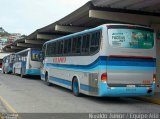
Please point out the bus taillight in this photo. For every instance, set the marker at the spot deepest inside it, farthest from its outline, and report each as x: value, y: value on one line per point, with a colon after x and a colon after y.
x: 104, y: 77
x: 154, y: 77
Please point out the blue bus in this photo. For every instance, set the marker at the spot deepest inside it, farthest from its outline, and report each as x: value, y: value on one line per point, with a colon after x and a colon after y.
x: 7, y: 63
x: 27, y: 62
x: 109, y: 60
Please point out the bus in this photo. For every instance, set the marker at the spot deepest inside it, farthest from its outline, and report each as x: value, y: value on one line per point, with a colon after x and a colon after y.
x: 27, y: 62
x: 111, y: 60
x: 7, y: 64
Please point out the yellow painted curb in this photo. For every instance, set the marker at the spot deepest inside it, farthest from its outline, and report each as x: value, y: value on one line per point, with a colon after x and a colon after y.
x: 9, y: 107
x: 149, y: 99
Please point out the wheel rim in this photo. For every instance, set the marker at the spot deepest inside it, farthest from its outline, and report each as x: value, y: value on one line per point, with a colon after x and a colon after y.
x: 75, y: 87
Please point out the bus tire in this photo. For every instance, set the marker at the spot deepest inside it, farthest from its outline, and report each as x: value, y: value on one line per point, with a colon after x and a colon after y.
x: 46, y: 80
x: 75, y: 87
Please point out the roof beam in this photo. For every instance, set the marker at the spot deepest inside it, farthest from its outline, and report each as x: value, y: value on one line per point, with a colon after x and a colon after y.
x: 9, y: 50
x: 47, y: 37
x: 69, y: 29
x: 124, y: 17
x: 27, y: 45
x: 35, y: 41
x: 17, y: 48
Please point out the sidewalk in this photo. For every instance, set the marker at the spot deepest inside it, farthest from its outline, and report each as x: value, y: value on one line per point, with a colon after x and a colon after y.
x: 152, y: 99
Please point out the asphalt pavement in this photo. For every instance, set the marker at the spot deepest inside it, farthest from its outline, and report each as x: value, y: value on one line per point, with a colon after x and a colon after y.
x: 33, y: 96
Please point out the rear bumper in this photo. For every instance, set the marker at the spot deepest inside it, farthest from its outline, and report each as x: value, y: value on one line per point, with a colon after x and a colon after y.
x: 104, y: 90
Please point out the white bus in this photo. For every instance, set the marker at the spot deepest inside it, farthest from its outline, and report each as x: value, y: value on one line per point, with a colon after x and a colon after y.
x: 109, y: 60
x: 27, y: 62
x: 7, y: 63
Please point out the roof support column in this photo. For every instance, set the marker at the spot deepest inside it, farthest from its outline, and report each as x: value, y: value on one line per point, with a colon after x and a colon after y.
x: 156, y: 28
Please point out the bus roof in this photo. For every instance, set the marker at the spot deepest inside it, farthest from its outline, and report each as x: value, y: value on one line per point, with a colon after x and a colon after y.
x: 92, y: 29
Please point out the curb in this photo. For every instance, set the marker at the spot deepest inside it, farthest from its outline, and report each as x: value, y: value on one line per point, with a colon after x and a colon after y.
x: 149, y: 99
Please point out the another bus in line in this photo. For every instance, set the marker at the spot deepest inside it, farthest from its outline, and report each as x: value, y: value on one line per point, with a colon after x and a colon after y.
x: 109, y: 60
x: 7, y: 64
x: 27, y: 62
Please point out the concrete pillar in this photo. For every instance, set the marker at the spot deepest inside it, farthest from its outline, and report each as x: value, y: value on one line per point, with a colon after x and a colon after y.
x: 156, y: 28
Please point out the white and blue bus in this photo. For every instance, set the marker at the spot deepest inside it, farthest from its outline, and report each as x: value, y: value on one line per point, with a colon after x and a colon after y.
x: 27, y: 62
x: 109, y: 60
x: 7, y: 63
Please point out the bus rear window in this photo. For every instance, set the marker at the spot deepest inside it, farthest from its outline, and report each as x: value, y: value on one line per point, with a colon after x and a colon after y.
x: 35, y: 55
x: 131, y: 38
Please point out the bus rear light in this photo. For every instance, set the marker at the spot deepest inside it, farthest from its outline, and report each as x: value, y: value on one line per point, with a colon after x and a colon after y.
x: 154, y: 77
x: 104, y: 77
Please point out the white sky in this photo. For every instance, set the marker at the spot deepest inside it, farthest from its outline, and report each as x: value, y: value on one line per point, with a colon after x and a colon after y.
x: 25, y: 16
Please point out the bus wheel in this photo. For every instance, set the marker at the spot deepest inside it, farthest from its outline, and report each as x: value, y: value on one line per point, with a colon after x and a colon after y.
x: 75, y: 87
x: 47, y: 81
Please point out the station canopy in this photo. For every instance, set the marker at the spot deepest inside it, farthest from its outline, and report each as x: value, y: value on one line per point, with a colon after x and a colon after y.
x: 92, y: 14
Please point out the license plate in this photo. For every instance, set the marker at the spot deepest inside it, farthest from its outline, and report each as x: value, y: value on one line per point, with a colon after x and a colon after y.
x: 131, y: 86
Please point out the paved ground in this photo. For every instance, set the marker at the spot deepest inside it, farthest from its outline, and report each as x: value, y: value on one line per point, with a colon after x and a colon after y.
x: 33, y: 96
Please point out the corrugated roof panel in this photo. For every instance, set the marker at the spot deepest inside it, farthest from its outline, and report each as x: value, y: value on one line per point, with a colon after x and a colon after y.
x: 128, y: 4
x: 104, y: 2
x: 125, y: 3
x: 144, y: 4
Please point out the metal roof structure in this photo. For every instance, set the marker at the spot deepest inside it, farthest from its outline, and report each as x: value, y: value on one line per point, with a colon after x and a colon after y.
x: 92, y: 14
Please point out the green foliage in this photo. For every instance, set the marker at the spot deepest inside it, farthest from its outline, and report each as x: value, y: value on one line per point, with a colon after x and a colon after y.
x: 2, y: 34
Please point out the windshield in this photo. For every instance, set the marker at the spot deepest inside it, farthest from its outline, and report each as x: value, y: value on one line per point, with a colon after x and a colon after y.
x: 140, y: 38
x: 35, y: 55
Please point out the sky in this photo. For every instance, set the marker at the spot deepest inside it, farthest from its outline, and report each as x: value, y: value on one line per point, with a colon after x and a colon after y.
x: 26, y: 16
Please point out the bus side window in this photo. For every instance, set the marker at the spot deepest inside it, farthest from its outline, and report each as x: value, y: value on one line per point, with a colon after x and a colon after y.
x: 67, y: 46
x: 43, y: 51
x: 85, y: 44
x: 49, y: 50
x: 76, y: 45
x: 53, y: 48
x: 94, y: 44
x: 60, y: 47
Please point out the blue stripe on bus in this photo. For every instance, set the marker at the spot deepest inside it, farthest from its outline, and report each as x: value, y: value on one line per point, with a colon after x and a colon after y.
x: 59, y: 80
x: 69, y: 83
x: 111, y: 64
x: 33, y: 72
x: 87, y: 88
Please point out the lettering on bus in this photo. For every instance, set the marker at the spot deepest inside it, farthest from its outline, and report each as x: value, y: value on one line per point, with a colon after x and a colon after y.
x: 59, y: 60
